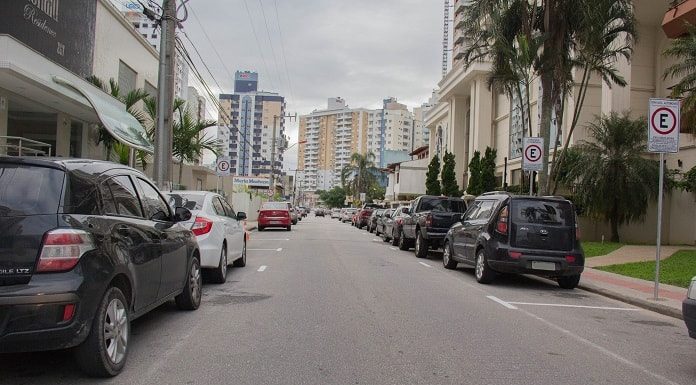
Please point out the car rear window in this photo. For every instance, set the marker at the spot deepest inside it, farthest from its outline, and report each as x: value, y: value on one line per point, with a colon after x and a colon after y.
x: 29, y: 190
x: 274, y: 206
x: 444, y: 205
x: 190, y: 201
x: 542, y: 212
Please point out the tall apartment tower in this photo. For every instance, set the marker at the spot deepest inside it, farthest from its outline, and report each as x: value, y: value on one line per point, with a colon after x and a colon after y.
x: 245, y: 125
x: 421, y: 134
x: 332, y: 136
x: 390, y: 132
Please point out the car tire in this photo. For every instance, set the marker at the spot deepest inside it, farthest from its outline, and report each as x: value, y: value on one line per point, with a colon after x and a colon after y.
x: 421, y: 247
x: 219, y: 275
x: 190, y: 297
x: 98, y: 356
x: 394, y: 238
x: 447, y: 261
x: 259, y: 228
x: 385, y: 237
x: 403, y: 243
x: 569, y: 282
x: 288, y: 228
x: 241, y: 261
x: 482, y: 271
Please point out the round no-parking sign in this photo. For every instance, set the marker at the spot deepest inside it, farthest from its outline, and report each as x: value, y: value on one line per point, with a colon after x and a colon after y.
x: 223, y: 166
x: 533, y: 153
x: 664, y: 125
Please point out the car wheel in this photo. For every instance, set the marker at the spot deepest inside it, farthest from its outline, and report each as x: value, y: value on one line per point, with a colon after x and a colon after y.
x: 394, y: 238
x: 377, y: 232
x: 385, y: 238
x: 104, y: 352
x: 241, y: 262
x: 447, y: 259
x: 403, y: 245
x: 288, y: 228
x: 190, y: 297
x: 421, y: 248
x: 260, y: 228
x: 219, y: 275
x: 483, y: 273
x: 569, y: 282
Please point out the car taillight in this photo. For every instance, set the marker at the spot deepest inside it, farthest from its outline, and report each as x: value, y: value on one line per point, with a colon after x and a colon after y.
x: 201, y: 226
x: 429, y: 220
x: 502, y: 225
x: 399, y: 220
x: 62, y: 249
x: 570, y: 258
x: 514, y: 254
x: 68, y: 312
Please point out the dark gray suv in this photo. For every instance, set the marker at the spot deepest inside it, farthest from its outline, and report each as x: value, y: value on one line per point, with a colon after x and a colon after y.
x: 501, y: 233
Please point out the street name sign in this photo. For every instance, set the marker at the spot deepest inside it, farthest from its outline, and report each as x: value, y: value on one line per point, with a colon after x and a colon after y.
x: 532, y: 154
x: 664, y: 125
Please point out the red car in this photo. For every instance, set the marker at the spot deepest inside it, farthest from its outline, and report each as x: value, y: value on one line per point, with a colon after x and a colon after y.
x: 275, y: 214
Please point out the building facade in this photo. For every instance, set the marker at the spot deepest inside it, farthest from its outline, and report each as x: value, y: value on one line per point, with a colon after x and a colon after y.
x: 246, y: 124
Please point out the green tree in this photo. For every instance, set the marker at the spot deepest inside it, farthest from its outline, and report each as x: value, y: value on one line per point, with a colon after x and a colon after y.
x: 189, y: 140
x: 450, y: 187
x: 359, y: 175
x: 474, y: 187
x: 612, y: 180
x: 487, y: 177
x: 432, y: 184
x: 334, y: 197
x: 683, y: 50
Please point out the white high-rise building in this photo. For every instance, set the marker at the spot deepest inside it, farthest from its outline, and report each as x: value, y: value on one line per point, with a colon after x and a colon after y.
x: 390, y: 132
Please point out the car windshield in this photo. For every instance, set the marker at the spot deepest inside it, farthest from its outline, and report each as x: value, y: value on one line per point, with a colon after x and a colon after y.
x: 274, y: 206
x: 189, y: 201
x: 29, y: 190
x: 442, y: 204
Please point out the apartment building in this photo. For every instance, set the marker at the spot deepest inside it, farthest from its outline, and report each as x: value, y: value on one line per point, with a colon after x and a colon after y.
x: 420, y: 135
x: 245, y: 125
x: 468, y: 116
x: 390, y: 132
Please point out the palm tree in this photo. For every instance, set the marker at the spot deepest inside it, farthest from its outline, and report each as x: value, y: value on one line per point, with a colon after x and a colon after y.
x: 612, y: 180
x: 189, y: 140
x: 358, y: 176
x: 683, y: 49
x: 130, y: 99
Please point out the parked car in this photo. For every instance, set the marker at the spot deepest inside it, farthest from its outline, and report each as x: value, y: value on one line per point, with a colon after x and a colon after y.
x: 689, y: 309
x: 379, y: 224
x: 303, y: 211
x: 393, y: 223
x: 348, y: 215
x: 86, y: 247
x: 517, y: 234
x: 319, y: 212
x: 219, y: 230
x: 335, y: 213
x: 372, y: 221
x: 293, y: 214
x: 429, y: 219
x: 364, y: 214
x: 274, y: 214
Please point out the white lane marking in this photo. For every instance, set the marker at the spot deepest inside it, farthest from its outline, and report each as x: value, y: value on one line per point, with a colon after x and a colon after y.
x: 278, y: 249
x: 574, y: 306
x: 262, y: 268
x: 424, y: 264
x: 500, y: 301
x: 394, y: 248
x: 271, y: 239
x: 602, y: 349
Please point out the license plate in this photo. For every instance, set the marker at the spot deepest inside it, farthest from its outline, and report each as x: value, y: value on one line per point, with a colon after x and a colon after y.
x: 538, y: 265
x: 275, y: 222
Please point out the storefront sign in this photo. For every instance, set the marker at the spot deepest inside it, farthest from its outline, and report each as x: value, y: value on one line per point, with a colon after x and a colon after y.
x: 61, y: 30
x: 251, y: 181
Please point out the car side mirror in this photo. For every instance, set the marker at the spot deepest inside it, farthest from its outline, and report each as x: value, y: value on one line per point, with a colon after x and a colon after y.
x: 241, y: 216
x: 181, y: 214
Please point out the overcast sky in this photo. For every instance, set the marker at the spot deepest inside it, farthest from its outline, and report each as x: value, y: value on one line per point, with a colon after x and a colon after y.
x: 361, y: 50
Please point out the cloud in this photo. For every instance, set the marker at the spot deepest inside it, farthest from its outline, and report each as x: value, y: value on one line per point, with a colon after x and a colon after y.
x: 361, y: 50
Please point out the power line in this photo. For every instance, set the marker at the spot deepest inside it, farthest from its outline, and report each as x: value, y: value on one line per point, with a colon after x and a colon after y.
x: 224, y: 66
x: 258, y: 43
x: 270, y: 42
x: 282, y: 50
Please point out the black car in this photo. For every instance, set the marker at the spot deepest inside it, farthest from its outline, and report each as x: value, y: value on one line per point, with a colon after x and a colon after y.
x: 517, y: 234
x: 689, y: 309
x: 85, y: 248
x: 319, y: 212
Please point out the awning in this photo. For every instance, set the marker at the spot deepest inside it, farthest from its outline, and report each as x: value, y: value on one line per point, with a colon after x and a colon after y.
x: 123, y: 126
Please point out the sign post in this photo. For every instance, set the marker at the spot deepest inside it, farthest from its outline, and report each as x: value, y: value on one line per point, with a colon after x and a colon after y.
x: 663, y: 136
x: 533, y: 152
x: 222, y: 168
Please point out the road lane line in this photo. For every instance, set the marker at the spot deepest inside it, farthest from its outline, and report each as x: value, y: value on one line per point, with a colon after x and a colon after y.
x: 278, y: 249
x: 271, y: 239
x: 424, y: 264
x: 262, y: 268
x: 574, y: 306
x: 394, y: 248
x: 500, y: 301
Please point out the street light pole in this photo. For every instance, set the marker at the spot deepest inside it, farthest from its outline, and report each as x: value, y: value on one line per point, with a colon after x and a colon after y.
x: 165, y: 97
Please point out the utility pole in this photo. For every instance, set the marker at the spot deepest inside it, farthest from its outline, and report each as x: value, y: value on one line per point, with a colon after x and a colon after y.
x: 165, y: 97
x: 273, y: 145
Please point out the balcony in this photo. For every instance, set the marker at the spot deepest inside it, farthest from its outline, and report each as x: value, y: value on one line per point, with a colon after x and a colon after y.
x: 459, y: 6
x: 676, y: 19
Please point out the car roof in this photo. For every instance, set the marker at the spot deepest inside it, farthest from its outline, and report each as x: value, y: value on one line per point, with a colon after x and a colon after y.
x: 89, y: 166
x: 497, y: 195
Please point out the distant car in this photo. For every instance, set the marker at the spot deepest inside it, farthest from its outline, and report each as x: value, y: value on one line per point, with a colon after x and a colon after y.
x: 303, y: 211
x: 372, y: 221
x: 381, y: 219
x: 293, y: 213
x: 689, y: 309
x: 392, y: 225
x: 348, y: 215
x: 364, y: 214
x: 219, y: 230
x: 319, y: 212
x: 86, y: 247
x: 501, y: 233
x: 274, y: 214
x: 335, y: 213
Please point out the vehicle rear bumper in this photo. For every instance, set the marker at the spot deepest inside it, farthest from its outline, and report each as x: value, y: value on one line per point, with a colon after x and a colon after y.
x: 436, y: 237
x: 524, y: 264
x: 210, y: 255
x: 275, y: 222
x: 689, y: 312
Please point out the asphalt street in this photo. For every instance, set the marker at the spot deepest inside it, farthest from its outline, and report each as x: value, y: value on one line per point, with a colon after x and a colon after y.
x: 330, y: 304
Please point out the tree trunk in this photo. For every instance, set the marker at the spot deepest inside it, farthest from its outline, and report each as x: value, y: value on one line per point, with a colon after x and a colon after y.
x: 615, y: 221
x: 181, y: 170
x: 545, y: 129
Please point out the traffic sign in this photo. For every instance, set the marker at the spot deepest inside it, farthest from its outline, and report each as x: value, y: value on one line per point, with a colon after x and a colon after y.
x: 533, y: 152
x: 223, y: 167
x: 664, y: 125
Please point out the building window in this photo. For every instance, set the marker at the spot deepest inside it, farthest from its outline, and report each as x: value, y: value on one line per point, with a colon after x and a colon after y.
x: 136, y: 25
x: 145, y: 25
x: 126, y: 77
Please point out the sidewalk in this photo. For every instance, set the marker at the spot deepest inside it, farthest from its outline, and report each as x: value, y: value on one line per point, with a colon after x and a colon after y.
x: 251, y: 225
x: 635, y: 291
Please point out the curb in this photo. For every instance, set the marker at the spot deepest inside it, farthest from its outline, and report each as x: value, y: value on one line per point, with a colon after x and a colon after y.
x: 645, y: 304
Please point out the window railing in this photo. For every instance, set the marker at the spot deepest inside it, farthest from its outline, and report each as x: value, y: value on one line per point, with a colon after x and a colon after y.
x: 19, y: 146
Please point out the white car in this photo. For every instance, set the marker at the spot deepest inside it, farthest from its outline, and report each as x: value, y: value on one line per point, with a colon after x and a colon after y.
x: 219, y: 230
x: 335, y: 213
